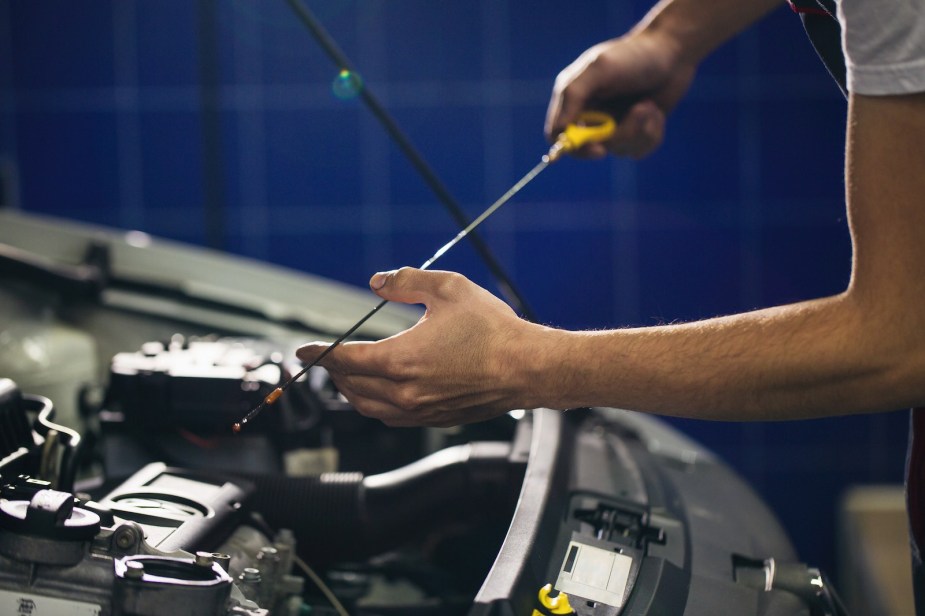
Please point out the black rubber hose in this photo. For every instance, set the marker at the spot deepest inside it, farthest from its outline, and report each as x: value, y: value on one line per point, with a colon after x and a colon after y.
x: 323, y: 511
x: 341, y: 516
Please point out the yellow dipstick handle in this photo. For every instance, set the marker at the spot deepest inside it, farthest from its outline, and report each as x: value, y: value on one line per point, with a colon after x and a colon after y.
x: 591, y: 127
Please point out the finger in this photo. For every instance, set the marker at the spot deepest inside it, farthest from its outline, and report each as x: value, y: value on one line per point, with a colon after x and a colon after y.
x: 387, y: 399
x: 309, y: 353
x: 407, y: 399
x: 366, y: 406
x: 383, y: 401
x: 369, y: 387
x: 414, y: 286
x: 564, y: 108
x: 570, y: 95
x: 348, y: 358
x: 640, y: 132
x: 374, y: 408
x: 590, y: 151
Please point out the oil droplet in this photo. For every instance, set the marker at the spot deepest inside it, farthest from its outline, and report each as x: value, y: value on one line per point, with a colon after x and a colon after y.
x: 236, y: 428
x: 347, y: 85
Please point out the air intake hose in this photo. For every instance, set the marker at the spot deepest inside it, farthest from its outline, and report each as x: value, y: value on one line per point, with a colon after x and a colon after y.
x: 346, y: 515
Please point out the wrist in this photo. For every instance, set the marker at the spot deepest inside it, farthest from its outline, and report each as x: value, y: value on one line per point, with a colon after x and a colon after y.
x: 673, y: 32
x: 544, y: 368
x: 691, y: 29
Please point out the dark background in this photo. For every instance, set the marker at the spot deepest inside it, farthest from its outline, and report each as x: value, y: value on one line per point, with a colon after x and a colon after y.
x: 215, y: 123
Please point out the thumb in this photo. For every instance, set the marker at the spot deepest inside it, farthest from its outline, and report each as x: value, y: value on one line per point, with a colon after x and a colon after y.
x: 310, y: 352
x: 414, y: 286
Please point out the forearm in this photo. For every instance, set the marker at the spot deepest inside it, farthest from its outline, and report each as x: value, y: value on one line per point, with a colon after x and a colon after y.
x: 697, y: 27
x: 808, y: 359
x: 861, y: 350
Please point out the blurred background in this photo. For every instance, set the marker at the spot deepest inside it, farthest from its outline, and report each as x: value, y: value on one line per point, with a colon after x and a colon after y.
x: 221, y: 123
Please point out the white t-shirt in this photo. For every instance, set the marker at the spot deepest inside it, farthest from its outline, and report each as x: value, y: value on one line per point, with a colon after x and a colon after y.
x: 884, y: 45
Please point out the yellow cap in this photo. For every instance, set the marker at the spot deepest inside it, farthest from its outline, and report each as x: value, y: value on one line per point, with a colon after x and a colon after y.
x: 558, y: 604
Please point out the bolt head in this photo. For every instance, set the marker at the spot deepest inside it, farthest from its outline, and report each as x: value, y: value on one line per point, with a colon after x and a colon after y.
x: 125, y: 537
x: 134, y: 570
x: 250, y: 575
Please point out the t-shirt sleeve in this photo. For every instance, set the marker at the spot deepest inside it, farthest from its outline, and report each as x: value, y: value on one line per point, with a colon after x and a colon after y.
x: 884, y: 45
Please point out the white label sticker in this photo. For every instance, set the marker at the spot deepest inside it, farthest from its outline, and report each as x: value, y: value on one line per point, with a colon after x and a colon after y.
x: 22, y: 604
x: 594, y: 573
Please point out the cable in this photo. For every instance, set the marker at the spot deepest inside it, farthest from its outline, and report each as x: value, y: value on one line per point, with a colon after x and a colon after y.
x: 55, y: 434
x: 505, y: 284
x: 262, y: 525
x: 325, y: 590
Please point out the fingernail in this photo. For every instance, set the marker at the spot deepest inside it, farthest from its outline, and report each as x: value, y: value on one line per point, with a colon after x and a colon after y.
x: 377, y: 281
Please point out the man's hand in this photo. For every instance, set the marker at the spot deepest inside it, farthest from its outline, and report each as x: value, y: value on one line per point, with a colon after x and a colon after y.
x: 638, y: 78
x: 466, y: 360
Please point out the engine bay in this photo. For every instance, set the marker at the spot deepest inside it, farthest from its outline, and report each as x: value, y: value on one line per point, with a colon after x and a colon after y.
x: 123, y: 491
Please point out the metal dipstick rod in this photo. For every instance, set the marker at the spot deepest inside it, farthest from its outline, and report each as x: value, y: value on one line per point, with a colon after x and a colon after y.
x: 592, y: 126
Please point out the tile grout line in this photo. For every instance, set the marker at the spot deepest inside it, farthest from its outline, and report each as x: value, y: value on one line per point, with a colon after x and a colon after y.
x: 251, y: 151
x: 130, y: 164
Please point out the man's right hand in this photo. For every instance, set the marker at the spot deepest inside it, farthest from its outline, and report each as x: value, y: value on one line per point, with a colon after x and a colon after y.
x: 638, y: 78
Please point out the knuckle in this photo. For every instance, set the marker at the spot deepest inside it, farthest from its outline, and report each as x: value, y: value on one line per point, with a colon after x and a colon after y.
x: 400, y: 277
x: 401, y: 367
x: 406, y: 398
x: 450, y: 284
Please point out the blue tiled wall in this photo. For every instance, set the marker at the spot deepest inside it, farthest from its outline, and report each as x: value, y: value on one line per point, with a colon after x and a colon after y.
x: 100, y: 119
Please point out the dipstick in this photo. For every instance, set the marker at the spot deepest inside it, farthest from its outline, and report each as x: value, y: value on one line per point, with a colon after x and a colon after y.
x: 591, y: 127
